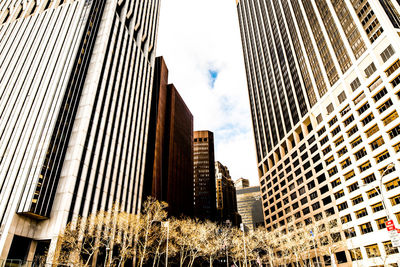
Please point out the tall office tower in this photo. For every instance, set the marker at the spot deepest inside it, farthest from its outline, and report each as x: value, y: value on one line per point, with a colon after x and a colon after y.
x: 226, y: 195
x: 169, y: 164
x: 204, y: 175
x: 323, y: 82
x: 75, y: 79
x: 242, y: 183
x: 249, y: 206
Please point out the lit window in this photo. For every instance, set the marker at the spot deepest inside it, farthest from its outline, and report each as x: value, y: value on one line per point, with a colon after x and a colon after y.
x: 377, y: 143
x: 369, y: 179
x: 365, y: 166
x: 397, y: 147
x: 357, y: 200
x: 361, y: 213
x: 395, y: 200
x: 352, y: 131
x: 381, y: 223
x: 360, y: 153
x: 391, y: 117
x: 382, y: 156
x: 346, y: 218
x: 339, y: 194
x: 356, y: 142
x: 389, y: 249
x: 377, y: 207
x: 349, y: 233
x: 349, y: 175
x: 392, y: 184
x: 385, y: 106
x: 345, y: 163
x: 373, y: 251
x: 329, y: 160
x: 372, y: 130
x: 372, y: 193
x: 355, y: 254
x: 339, y: 141
x: 394, y: 132
x: 342, y: 206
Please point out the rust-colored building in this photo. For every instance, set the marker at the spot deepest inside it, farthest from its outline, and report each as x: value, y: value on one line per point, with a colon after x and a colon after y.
x: 169, y: 165
x: 204, y: 175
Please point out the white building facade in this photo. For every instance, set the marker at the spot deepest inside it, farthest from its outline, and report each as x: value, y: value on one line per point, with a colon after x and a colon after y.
x: 75, y: 87
x: 323, y: 79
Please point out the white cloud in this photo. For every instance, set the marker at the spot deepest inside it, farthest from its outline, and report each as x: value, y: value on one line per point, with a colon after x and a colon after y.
x: 198, y: 36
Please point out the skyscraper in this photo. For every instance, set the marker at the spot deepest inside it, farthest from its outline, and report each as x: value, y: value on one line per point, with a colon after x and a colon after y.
x: 204, y: 175
x: 226, y: 195
x: 169, y: 165
x: 75, y: 81
x: 323, y: 86
x: 249, y: 206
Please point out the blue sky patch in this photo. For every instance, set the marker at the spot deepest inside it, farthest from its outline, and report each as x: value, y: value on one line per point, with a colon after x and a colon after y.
x: 213, y: 74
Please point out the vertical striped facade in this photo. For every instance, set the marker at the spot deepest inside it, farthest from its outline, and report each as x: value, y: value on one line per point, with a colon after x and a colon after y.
x: 75, y: 92
x: 323, y: 80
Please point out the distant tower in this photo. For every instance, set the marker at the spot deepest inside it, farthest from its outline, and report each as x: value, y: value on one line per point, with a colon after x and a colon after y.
x: 204, y: 175
x: 169, y: 165
x: 226, y: 195
x: 242, y: 183
x: 249, y: 206
x: 324, y: 88
x: 75, y: 91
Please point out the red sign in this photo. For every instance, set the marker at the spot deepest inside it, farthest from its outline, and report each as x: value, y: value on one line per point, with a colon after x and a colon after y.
x: 398, y: 231
x: 390, y: 225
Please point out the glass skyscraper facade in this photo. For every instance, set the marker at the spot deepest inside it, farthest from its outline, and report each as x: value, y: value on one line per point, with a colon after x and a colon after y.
x: 75, y: 79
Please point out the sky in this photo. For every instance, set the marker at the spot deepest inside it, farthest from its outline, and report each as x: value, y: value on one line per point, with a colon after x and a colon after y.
x: 200, y: 42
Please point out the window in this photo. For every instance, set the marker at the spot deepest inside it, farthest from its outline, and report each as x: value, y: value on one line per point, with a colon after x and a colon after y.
x: 352, y: 131
x: 392, y: 184
x: 345, y: 163
x: 332, y: 171
x: 361, y: 213
x: 377, y: 143
x: 396, y: 147
x: 315, y: 206
x: 332, y: 121
x: 380, y: 94
x: 342, y: 151
x: 370, y: 70
x: 319, y: 118
x: 385, y: 106
x: 355, y: 84
x: 339, y: 141
x: 382, y: 156
x: 302, y: 190
x: 342, y: 97
x: 395, y: 200
x: 336, y: 182
x: 372, y: 193
x: 348, y: 120
x: 394, y: 132
x: 367, y: 119
x: 375, y: 84
x: 349, y: 233
x: 371, y: 131
x: 356, y: 142
x: 366, y: 228
x: 395, y: 81
x: 365, y: 166
x: 330, y: 108
x: 373, y: 251
x: 353, y: 187
x: 313, y: 195
x: 360, y: 153
x: 324, y: 140
x: 336, y: 131
x: 306, y: 211
x: 339, y: 194
x: 321, y: 131
x: 389, y: 249
x: 363, y: 108
x: 357, y: 200
x: 345, y: 110
x: 369, y: 179
x: 391, y: 117
x: 349, y: 175
x: 326, y: 150
x: 355, y: 254
x: 381, y: 223
x: 387, y: 53
x: 359, y: 98
x: 392, y: 68
x: 346, y: 218
x: 342, y: 206
x: 377, y: 207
